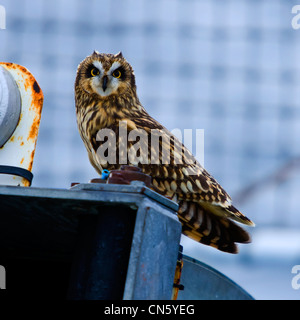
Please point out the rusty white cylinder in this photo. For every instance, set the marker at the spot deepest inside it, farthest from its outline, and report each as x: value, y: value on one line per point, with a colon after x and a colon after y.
x: 10, y: 105
x: 21, y: 101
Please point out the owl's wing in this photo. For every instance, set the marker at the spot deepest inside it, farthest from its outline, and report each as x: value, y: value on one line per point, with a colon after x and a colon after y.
x: 205, y: 209
x: 182, y: 174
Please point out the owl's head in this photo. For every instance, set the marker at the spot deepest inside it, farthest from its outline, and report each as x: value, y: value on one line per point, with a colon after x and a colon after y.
x: 105, y: 75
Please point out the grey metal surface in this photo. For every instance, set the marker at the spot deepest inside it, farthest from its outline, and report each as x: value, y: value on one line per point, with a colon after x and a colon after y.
x: 153, y: 255
x: 43, y: 224
x: 202, y: 282
x: 44, y: 221
x: 10, y: 105
x: 134, y: 187
x: 118, y: 236
x: 107, y: 193
x: 155, y: 243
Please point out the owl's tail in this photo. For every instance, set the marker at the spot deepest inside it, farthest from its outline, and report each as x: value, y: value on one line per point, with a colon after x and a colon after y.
x: 203, y: 226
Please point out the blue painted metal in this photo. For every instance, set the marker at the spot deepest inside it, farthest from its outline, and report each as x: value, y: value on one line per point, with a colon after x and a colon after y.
x: 153, y: 253
x: 202, y: 282
x: 122, y: 239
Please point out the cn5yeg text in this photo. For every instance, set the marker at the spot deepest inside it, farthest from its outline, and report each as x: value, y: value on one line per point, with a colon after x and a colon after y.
x: 178, y: 309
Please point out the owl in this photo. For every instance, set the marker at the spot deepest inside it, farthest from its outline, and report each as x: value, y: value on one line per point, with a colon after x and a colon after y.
x: 106, y: 102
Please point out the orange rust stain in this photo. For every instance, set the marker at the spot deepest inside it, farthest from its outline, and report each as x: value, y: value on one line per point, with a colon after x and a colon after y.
x: 29, y: 82
x: 22, y: 160
x: 25, y: 182
x: 10, y: 65
x: 37, y: 98
x: 36, y: 106
x: 22, y: 143
x: 7, y: 64
x: 29, y: 79
x: 31, y: 160
x: 23, y: 69
x: 34, y: 128
x: 12, y: 139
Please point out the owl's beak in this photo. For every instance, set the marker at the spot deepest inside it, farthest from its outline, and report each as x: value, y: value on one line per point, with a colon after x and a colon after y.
x: 104, y: 83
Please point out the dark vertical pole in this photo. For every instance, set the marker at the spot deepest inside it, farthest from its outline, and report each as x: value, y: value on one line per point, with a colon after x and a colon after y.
x: 101, y: 257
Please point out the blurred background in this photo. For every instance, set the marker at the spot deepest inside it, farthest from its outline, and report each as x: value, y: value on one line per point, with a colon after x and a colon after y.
x: 231, y: 68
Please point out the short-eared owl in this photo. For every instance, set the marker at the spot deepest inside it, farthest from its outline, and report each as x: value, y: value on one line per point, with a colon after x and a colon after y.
x: 106, y: 99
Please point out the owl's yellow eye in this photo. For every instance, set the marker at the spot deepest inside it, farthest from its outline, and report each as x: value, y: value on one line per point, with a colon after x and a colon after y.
x: 95, y: 72
x: 117, y: 74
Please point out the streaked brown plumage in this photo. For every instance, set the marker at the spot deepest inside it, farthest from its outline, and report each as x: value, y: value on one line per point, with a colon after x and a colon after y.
x: 105, y: 96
